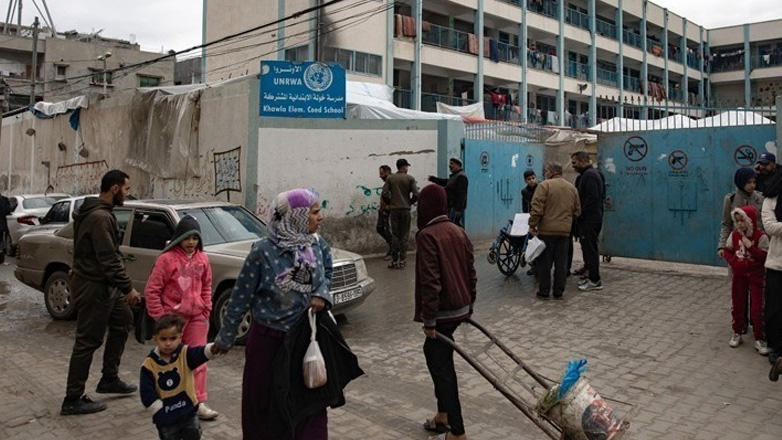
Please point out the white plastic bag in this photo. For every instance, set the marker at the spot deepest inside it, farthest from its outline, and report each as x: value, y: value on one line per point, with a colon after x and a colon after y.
x: 535, y: 247
x: 314, y: 366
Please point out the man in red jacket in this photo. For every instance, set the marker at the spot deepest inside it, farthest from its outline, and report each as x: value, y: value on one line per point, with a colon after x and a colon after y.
x: 445, y: 283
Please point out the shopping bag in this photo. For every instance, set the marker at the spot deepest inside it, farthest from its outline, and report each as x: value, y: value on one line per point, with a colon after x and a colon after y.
x: 144, y: 324
x: 314, y: 366
x: 535, y: 247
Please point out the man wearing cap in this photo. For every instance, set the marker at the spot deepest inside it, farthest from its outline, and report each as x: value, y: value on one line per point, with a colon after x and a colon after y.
x: 399, y: 193
x: 766, y: 168
x: 456, y: 189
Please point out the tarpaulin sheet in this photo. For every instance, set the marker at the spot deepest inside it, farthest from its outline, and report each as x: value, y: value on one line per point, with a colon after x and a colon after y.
x: 164, y: 132
x: 471, y: 111
x: 45, y: 110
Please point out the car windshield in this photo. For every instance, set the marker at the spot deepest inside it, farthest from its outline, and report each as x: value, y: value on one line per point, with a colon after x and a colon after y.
x: 40, y: 202
x: 226, y: 224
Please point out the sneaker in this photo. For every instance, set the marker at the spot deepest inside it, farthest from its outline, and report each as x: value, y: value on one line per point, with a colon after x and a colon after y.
x: 115, y: 386
x: 736, y: 340
x: 582, y: 282
x: 206, y: 413
x: 762, y: 347
x: 776, y: 370
x: 393, y: 265
x: 82, y: 405
x: 590, y: 285
x: 543, y: 297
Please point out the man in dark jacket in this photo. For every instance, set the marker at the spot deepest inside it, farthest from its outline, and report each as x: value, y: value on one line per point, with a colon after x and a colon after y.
x: 456, y: 190
x: 591, y: 192
x: 766, y: 168
x: 5, y: 210
x: 445, y: 289
x: 102, y: 293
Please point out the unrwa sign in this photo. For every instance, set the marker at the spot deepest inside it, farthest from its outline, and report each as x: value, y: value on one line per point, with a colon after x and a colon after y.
x: 302, y: 90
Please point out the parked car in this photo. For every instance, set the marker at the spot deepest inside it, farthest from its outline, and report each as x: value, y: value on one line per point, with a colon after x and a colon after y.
x: 228, y: 231
x: 62, y: 211
x: 25, y: 213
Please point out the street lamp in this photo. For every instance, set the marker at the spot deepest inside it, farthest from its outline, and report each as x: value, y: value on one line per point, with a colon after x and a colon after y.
x: 103, y: 58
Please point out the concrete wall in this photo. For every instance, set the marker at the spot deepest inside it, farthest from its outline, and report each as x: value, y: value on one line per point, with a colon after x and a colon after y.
x: 36, y: 162
x: 340, y: 159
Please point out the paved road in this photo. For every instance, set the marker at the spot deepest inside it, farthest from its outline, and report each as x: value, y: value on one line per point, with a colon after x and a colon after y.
x: 654, y: 337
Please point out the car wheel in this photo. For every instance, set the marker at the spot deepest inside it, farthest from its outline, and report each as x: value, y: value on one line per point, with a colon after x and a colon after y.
x: 218, y: 313
x: 57, y: 296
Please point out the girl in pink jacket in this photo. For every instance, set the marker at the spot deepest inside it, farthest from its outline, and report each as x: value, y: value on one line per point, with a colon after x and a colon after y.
x: 181, y: 284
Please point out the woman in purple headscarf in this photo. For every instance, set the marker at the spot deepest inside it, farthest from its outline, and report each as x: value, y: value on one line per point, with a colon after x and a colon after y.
x: 283, y: 275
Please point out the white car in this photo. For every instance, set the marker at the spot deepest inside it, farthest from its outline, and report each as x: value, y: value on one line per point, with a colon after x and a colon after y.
x: 61, y: 213
x: 25, y: 213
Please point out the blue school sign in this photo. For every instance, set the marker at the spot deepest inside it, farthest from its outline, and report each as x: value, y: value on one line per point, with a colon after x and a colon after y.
x: 302, y: 90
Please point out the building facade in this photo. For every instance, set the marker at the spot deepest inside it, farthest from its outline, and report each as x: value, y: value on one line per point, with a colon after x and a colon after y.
x: 71, y: 64
x: 542, y: 61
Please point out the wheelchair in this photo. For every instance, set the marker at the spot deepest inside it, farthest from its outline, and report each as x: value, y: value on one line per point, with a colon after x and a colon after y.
x: 507, y: 251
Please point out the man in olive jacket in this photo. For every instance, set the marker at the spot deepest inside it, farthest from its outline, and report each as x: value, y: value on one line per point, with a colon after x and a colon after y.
x: 400, y: 191
x: 445, y: 291
x: 102, y: 293
x: 554, y: 206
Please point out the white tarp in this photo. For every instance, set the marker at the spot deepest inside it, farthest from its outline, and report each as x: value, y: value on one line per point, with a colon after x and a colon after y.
x: 570, y: 137
x: 730, y: 118
x: 56, y: 108
x: 470, y: 111
x: 373, y: 101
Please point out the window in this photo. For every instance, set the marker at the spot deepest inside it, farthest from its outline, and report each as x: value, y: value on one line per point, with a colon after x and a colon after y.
x: 354, y: 61
x: 98, y: 75
x: 299, y: 53
x: 148, y: 81
x: 58, y: 213
x: 60, y: 71
x: 150, y: 230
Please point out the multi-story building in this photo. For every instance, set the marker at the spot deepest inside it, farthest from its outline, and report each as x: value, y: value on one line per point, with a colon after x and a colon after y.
x: 544, y: 61
x: 71, y: 64
x: 746, y: 65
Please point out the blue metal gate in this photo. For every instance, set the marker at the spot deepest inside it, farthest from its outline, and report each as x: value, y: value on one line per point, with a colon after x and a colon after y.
x: 495, y: 170
x: 665, y: 188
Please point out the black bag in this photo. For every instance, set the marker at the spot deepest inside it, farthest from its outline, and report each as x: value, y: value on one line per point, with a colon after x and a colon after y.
x: 144, y: 324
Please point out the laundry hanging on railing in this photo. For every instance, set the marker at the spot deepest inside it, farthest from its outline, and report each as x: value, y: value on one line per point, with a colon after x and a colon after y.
x: 472, y: 44
x: 404, y: 26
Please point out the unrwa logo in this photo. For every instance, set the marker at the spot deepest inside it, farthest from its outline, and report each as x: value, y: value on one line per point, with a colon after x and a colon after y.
x: 318, y: 77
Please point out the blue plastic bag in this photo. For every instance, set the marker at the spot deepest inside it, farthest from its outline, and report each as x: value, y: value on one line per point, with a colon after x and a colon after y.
x: 573, y: 373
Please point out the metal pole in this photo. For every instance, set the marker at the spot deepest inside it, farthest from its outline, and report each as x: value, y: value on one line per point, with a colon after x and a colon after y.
x: 32, y: 158
x: 104, y: 75
x: 11, y: 134
x: 35, y: 61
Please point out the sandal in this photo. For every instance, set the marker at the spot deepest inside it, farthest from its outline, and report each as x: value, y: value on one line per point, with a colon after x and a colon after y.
x: 434, y: 426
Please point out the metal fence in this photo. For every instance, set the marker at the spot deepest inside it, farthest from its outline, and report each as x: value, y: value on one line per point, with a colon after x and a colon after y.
x: 638, y: 117
x: 507, y: 132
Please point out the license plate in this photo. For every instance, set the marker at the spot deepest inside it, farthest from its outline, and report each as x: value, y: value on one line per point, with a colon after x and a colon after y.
x: 347, y: 295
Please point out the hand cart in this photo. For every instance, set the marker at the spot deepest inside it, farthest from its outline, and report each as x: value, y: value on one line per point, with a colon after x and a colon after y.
x: 565, y: 420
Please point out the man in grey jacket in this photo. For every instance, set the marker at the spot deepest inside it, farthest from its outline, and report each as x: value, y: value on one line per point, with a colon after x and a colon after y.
x: 102, y: 293
x: 399, y: 193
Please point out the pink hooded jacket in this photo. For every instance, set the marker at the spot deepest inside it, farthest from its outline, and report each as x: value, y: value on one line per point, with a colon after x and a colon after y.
x: 180, y: 285
x: 747, y: 260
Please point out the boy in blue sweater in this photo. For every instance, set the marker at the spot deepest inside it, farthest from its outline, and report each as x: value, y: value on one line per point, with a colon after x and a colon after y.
x: 167, y: 386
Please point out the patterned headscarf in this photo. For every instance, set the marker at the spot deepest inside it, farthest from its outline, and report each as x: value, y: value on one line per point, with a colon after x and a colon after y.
x: 288, y: 220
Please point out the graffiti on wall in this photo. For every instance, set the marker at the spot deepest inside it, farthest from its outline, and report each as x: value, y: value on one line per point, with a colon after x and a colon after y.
x: 368, y: 202
x: 227, y: 171
x: 80, y: 178
x: 196, y: 187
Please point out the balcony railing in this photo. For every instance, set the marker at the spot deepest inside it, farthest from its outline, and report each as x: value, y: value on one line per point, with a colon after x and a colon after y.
x: 693, y: 61
x: 540, y: 61
x: 768, y: 60
x: 632, y: 84
x: 675, y: 94
x: 605, y: 28
x: 578, y: 70
x: 543, y: 7
x: 631, y: 38
x: 447, y: 38
x: 508, y: 53
x: 577, y: 18
x: 404, y: 99
x: 607, y: 77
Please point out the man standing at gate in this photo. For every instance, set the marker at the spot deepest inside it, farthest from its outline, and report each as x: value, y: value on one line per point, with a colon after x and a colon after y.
x: 554, y: 206
x: 399, y: 193
x: 591, y: 192
x: 383, y: 227
x: 102, y: 293
x: 456, y: 189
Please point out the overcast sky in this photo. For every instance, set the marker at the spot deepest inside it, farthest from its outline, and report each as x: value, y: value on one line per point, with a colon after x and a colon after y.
x: 176, y: 24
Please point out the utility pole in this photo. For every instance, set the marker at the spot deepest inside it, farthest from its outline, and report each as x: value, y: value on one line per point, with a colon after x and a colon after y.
x: 35, y: 61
